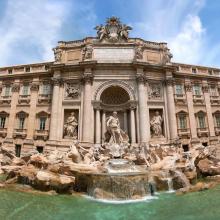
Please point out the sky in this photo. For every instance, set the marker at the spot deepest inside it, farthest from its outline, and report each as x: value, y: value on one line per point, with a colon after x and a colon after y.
x: 29, y: 29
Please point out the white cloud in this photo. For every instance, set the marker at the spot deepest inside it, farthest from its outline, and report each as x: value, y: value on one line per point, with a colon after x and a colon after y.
x: 176, y: 22
x: 187, y: 45
x: 30, y: 25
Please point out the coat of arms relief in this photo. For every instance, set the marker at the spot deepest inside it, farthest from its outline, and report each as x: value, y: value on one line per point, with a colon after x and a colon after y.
x: 113, y: 31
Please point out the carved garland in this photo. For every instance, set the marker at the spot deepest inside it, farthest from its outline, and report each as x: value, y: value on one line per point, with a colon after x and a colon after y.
x: 188, y: 87
x: 205, y: 88
x: 15, y: 88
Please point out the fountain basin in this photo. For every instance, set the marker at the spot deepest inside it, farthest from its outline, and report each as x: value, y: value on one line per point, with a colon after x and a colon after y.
x: 114, y: 186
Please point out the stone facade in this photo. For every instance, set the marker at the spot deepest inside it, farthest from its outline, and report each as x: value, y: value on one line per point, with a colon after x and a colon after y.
x: 93, y: 77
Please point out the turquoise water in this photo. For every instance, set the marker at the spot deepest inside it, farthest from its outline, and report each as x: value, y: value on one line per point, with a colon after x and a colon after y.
x: 27, y: 206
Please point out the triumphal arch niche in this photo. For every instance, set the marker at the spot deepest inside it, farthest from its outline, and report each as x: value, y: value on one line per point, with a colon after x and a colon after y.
x: 117, y: 99
x: 112, y: 89
x: 117, y: 88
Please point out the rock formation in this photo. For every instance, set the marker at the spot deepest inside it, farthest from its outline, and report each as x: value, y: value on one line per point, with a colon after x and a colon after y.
x: 166, y: 167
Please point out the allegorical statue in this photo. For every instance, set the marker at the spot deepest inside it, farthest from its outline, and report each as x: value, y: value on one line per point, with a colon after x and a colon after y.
x: 57, y: 54
x: 156, y: 125
x: 101, y: 31
x: 115, y: 135
x: 113, y: 31
x: 70, y: 126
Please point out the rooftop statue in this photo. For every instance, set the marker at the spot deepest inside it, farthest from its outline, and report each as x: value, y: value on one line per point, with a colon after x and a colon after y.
x: 113, y: 31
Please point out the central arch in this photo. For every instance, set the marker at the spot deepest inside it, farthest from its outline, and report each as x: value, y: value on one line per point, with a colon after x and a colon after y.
x: 115, y: 83
x: 114, y: 95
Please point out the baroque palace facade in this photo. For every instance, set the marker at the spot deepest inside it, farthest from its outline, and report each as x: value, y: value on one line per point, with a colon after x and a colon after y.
x: 46, y: 106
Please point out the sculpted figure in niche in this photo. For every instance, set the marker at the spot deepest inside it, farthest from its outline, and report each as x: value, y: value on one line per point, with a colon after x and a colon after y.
x: 156, y: 125
x: 115, y: 135
x: 70, y: 126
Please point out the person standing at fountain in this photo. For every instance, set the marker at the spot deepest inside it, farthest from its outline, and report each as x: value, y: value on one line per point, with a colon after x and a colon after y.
x: 156, y: 125
x: 113, y: 127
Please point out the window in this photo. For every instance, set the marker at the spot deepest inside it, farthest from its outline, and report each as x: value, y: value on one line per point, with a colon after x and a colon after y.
x: 9, y: 71
x: 7, y: 91
x: 197, y: 90
x: 179, y: 89
x: 27, y: 69
x: 42, y: 123
x: 217, y: 119
x: 185, y: 147
x: 201, y: 120
x: 21, y: 123
x: 2, y: 121
x: 213, y: 91
x: 40, y: 149
x: 46, y: 89
x: 25, y: 90
x: 18, y: 150
x: 182, y: 122
x: 194, y: 70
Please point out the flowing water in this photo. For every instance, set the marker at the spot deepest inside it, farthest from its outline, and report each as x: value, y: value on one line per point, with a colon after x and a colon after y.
x: 28, y: 206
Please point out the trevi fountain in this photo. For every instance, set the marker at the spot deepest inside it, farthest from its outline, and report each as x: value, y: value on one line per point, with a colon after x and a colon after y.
x: 137, y: 167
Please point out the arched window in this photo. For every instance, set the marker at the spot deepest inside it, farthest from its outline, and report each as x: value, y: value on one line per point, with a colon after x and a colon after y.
x: 21, y: 120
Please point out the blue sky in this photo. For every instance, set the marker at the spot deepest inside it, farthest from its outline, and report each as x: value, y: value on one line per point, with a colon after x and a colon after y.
x: 29, y: 29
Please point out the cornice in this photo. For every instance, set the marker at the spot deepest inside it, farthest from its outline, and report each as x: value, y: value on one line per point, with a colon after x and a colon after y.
x: 200, y: 76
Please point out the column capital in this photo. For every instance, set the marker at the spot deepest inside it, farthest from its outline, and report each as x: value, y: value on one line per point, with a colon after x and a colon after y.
x: 96, y: 105
x: 15, y: 87
x: 34, y: 86
x: 57, y: 81
x: 141, y: 78
x: 188, y: 87
x: 169, y: 81
x: 132, y: 105
x: 87, y: 78
x: 205, y: 88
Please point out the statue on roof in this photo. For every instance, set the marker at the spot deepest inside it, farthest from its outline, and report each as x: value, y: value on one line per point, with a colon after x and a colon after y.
x: 113, y: 31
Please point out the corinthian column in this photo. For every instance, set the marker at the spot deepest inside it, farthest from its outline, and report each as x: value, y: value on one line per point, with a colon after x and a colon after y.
x: 55, y: 106
x: 133, y: 130
x: 142, y: 107
x: 87, y: 126
x: 98, y: 127
x: 103, y: 126
x: 171, y: 107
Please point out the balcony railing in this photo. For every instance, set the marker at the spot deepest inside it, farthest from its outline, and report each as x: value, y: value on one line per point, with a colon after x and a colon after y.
x: 41, y: 134
x: 20, y: 133
x: 202, y: 131
x: 217, y: 131
x: 44, y: 98
x: 3, y: 132
x: 5, y: 99
x: 198, y: 96
x: 24, y: 99
x: 198, y: 99
x: 183, y: 132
